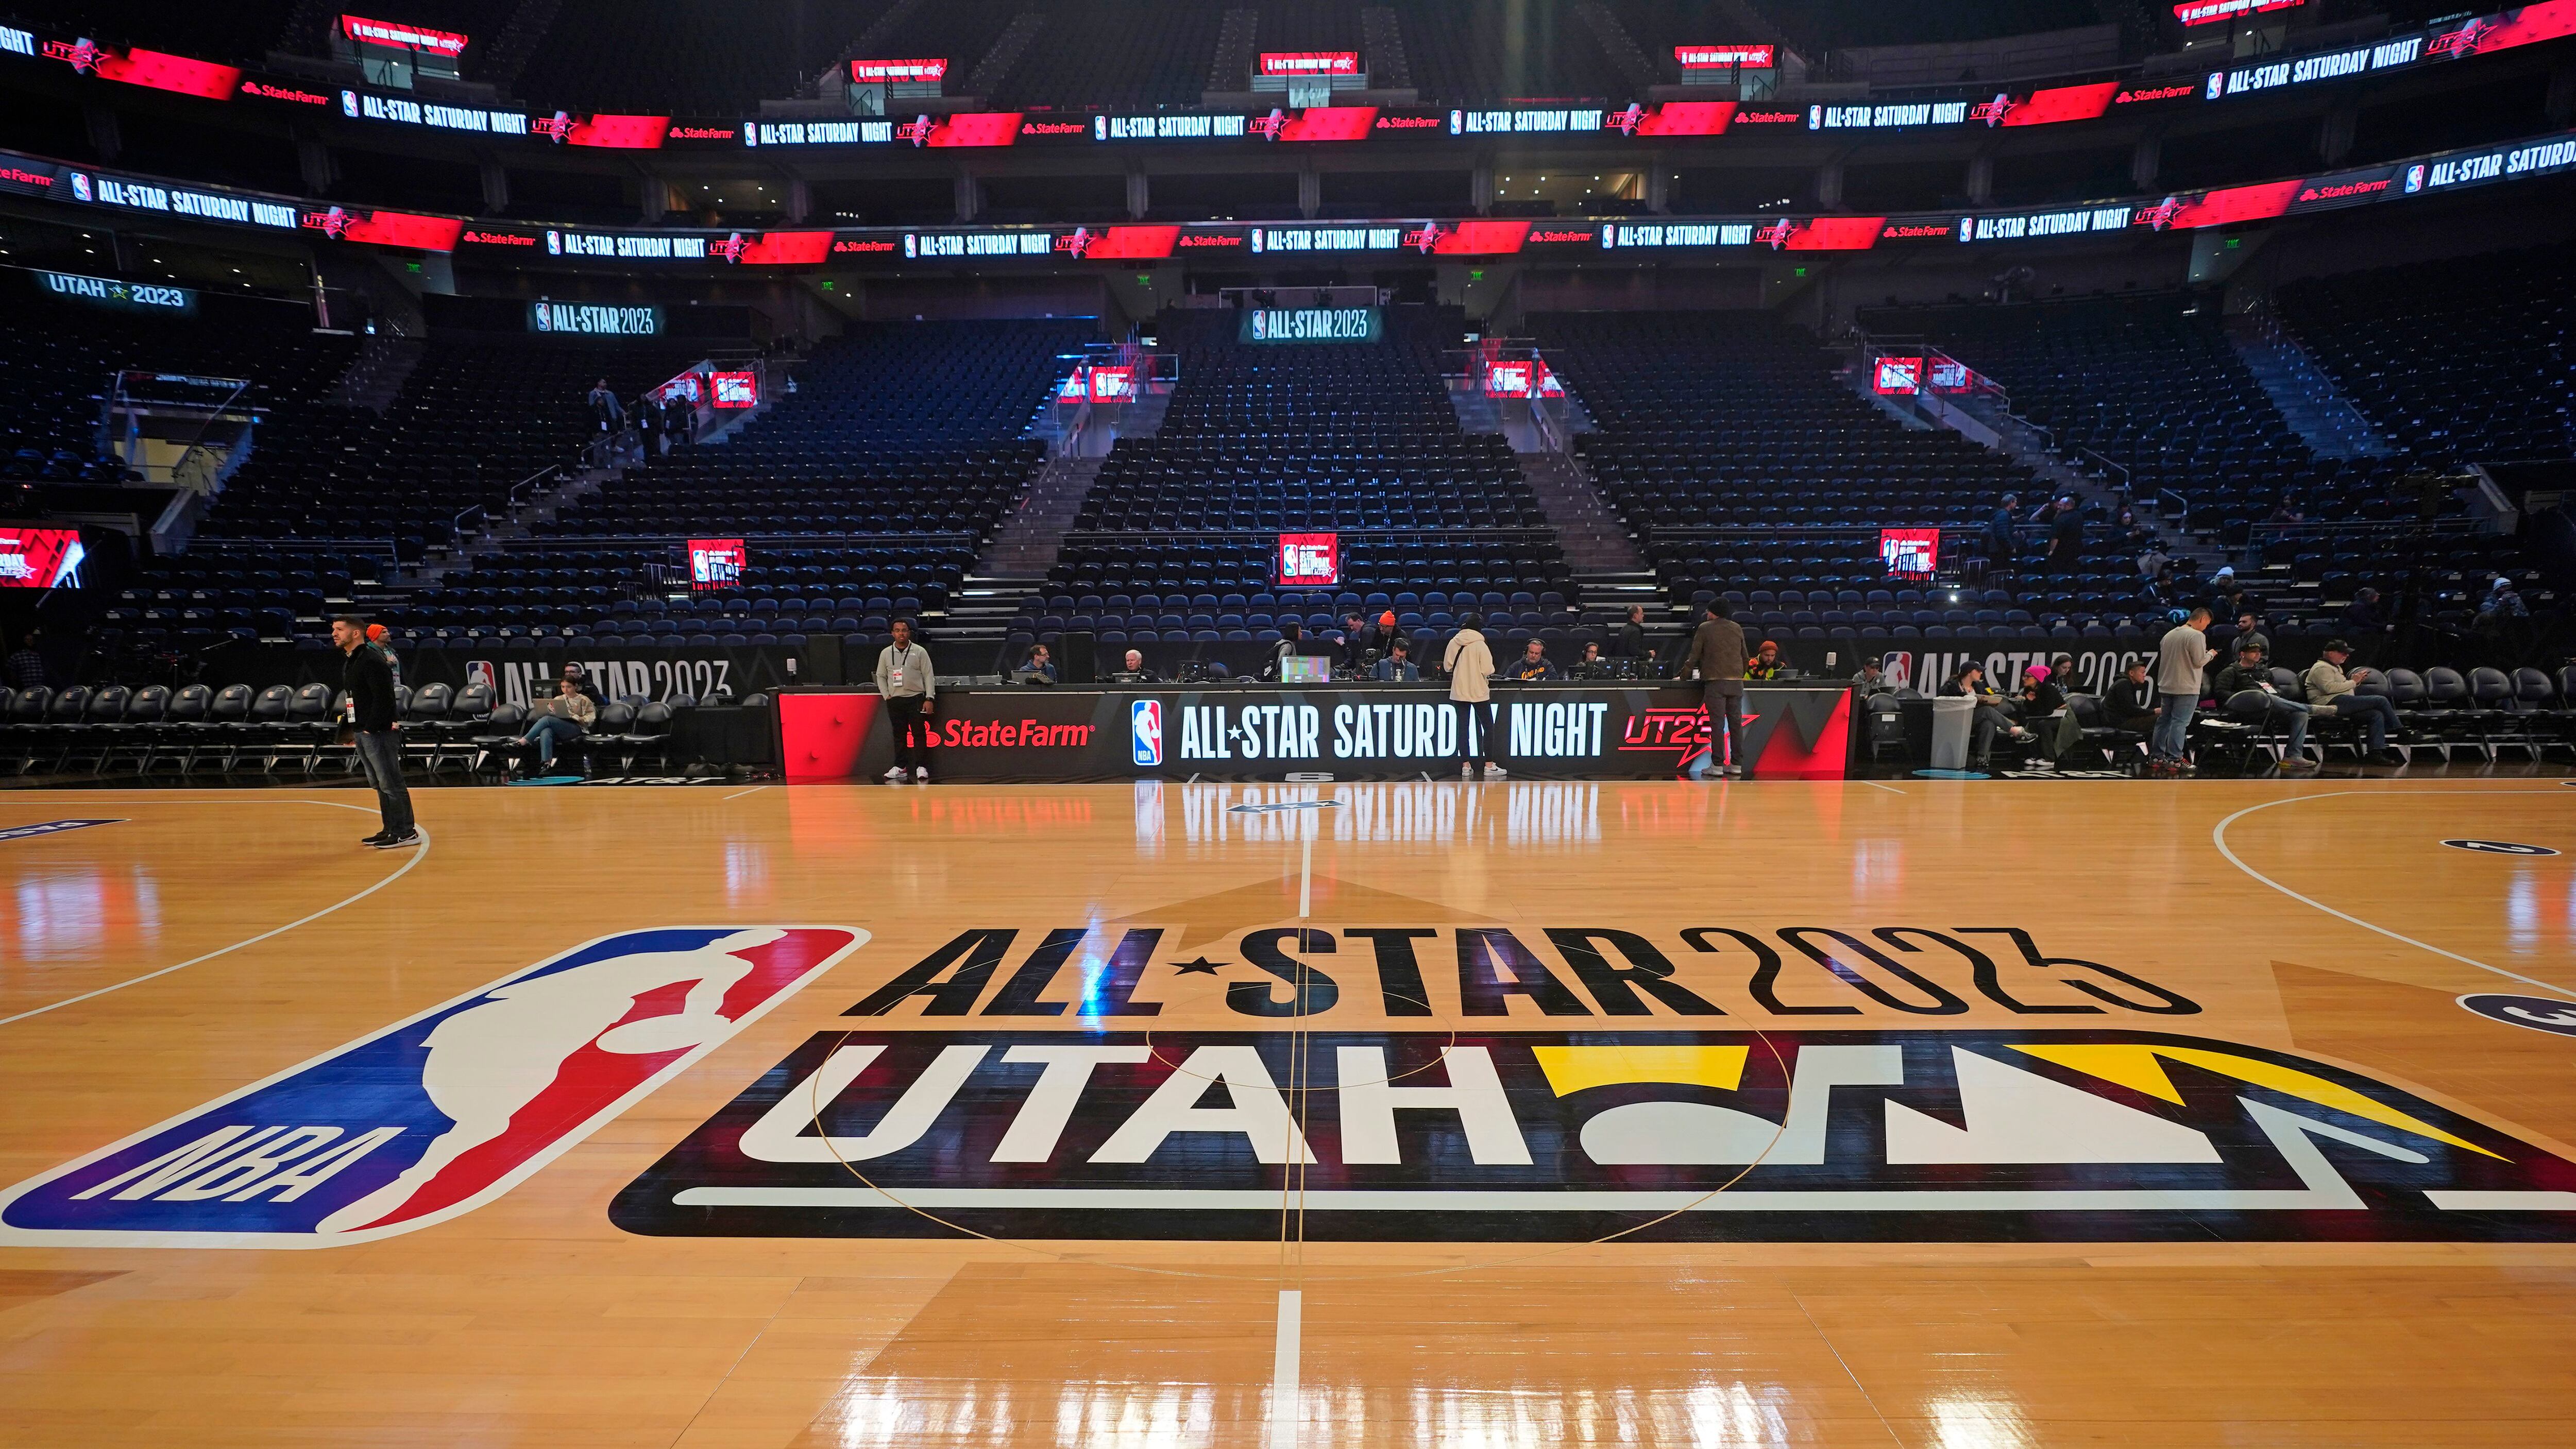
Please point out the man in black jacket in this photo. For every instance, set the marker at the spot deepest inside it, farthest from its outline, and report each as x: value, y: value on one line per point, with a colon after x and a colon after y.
x: 1632, y: 635
x: 370, y: 682
x: 2131, y: 703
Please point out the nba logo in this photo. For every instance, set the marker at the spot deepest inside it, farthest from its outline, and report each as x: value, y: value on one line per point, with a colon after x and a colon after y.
x: 434, y: 1116
x: 1145, y: 729
x: 2414, y: 179
x: 349, y: 104
x: 2217, y: 86
x: 479, y: 671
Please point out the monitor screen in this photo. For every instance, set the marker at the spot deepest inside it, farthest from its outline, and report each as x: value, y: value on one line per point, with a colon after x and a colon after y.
x: 1910, y: 553
x: 1305, y: 669
x: 717, y: 563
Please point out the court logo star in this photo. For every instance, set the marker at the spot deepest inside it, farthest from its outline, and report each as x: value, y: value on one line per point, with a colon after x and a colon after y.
x: 1200, y: 967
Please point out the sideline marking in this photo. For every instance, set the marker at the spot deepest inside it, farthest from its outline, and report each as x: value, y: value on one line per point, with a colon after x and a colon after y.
x: 417, y: 856
x: 2218, y: 837
x: 1283, y: 1371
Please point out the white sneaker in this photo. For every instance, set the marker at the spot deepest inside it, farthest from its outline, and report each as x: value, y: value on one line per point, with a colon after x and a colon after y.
x: 1466, y: 771
x: 1495, y: 772
x: 894, y: 774
x: 921, y: 773
x: 1735, y: 770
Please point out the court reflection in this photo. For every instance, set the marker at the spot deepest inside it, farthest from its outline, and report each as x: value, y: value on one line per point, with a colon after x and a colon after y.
x: 898, y: 1413
x: 1444, y: 812
x: 74, y: 912
x: 1968, y: 1421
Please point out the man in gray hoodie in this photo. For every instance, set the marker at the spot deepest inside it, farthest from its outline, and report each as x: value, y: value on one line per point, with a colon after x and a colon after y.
x: 2180, y: 658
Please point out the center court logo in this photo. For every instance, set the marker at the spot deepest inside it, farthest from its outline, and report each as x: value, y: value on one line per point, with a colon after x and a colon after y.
x: 1697, y: 1136
x: 1145, y: 730
x: 434, y: 1116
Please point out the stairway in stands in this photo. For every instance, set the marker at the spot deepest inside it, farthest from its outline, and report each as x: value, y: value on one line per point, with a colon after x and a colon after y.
x: 1013, y: 566
x: 2316, y: 410
x: 1609, y: 572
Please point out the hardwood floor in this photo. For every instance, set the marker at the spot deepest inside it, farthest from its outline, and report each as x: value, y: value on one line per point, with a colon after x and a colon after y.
x: 1961, y: 1116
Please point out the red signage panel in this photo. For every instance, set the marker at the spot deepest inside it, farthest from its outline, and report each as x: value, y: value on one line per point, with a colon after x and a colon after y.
x: 871, y: 72
x: 39, y: 558
x: 1310, y: 560
x: 717, y: 563
x: 151, y: 69
x: 1310, y: 62
x: 1703, y: 57
x: 388, y: 228
x: 736, y: 389
x: 407, y: 37
x: 1318, y: 123
x: 1911, y: 553
x: 2202, y: 12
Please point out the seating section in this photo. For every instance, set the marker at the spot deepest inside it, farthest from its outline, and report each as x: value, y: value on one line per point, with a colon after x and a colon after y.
x: 796, y: 592
x: 1468, y: 52
x: 2451, y: 373
x: 58, y: 359
x: 2149, y: 383
x: 685, y: 57
x: 2152, y: 384
x: 1751, y: 471
x: 1816, y: 27
x: 1121, y: 55
x: 901, y: 429
x: 1174, y: 541
x: 477, y: 415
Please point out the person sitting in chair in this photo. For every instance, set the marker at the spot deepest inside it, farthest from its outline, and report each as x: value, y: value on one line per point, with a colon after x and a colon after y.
x: 1534, y: 664
x: 555, y: 722
x: 1038, y: 668
x: 1398, y: 666
x: 2247, y: 690
x: 2131, y: 703
x: 2331, y: 691
x: 1991, y: 717
x: 1766, y: 662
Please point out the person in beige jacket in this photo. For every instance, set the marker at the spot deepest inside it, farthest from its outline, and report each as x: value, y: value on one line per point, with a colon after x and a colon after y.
x: 2332, y: 692
x: 1470, y: 665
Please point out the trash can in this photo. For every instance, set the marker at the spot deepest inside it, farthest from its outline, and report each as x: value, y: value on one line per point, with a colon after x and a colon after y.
x: 1951, y: 717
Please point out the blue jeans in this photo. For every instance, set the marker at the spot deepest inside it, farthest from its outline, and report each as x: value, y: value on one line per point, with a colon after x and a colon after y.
x: 2259, y: 706
x: 1478, y: 723
x: 545, y: 730
x: 2173, y: 724
x: 380, y: 752
x: 2380, y: 712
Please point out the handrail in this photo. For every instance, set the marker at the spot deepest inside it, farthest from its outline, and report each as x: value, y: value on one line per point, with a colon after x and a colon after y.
x: 2377, y: 528
x: 2118, y: 468
x: 2178, y: 513
x: 1163, y: 535
x: 597, y: 540
x: 334, y: 545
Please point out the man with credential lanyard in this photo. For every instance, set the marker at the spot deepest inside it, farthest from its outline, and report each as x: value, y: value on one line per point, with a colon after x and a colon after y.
x: 910, y: 688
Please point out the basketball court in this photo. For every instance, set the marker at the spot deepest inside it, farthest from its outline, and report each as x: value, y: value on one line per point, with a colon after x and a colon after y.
x: 1530, y: 1113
